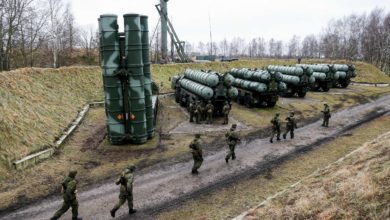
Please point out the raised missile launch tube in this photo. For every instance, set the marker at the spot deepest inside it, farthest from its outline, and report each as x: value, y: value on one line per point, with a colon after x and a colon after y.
x: 133, y: 52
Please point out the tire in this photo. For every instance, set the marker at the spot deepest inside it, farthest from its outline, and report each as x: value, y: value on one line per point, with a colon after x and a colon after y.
x: 301, y: 94
x: 344, y: 84
x: 271, y: 104
x: 248, y: 102
x: 325, y: 88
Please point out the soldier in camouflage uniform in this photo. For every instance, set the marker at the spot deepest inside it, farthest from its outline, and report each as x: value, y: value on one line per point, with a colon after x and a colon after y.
x: 198, y: 112
x: 196, y: 150
x: 291, y: 125
x: 275, y: 128
x: 126, y: 190
x: 226, y: 111
x: 210, y: 112
x: 232, y: 139
x: 203, y: 110
x: 192, y: 109
x: 69, y: 195
x: 327, y: 115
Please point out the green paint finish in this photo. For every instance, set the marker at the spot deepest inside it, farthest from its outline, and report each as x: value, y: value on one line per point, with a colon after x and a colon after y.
x: 197, y: 88
x: 110, y: 55
x: 134, y: 65
x: 147, y: 77
x: 207, y: 79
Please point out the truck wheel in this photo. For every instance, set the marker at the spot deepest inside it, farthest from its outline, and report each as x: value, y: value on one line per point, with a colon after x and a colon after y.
x: 271, y: 104
x: 344, y: 84
x: 325, y: 88
x: 248, y: 102
x: 301, y: 94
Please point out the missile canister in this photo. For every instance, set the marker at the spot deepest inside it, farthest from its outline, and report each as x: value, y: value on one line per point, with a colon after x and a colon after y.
x: 209, y: 79
x: 250, y: 85
x: 232, y: 92
x: 294, y: 80
x: 254, y: 75
x: 282, y: 87
x: 316, y: 68
x: 228, y: 80
x: 295, y: 71
x: 340, y: 67
x: 147, y: 77
x: 133, y: 52
x: 197, y: 88
x: 319, y: 75
x: 110, y: 55
x: 341, y: 74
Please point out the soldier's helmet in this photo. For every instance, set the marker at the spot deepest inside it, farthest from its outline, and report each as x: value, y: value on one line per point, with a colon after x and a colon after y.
x: 277, y: 114
x: 197, y: 135
x: 131, y: 168
x: 234, y: 125
x: 325, y: 104
x: 72, y: 173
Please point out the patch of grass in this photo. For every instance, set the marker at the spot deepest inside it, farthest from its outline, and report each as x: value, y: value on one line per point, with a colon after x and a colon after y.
x: 355, y: 188
x: 36, y: 105
x: 230, y: 201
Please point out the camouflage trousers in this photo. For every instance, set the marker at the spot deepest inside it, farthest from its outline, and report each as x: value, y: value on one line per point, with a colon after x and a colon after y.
x: 122, y: 200
x: 65, y: 206
x: 289, y: 130
x: 225, y: 119
x: 209, y: 118
x: 192, y: 115
x: 275, y: 131
x: 325, y: 122
x: 231, y: 153
x: 197, y: 163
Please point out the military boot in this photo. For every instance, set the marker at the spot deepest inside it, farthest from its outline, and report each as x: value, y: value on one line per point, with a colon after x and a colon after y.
x: 77, y: 218
x: 284, y: 136
x: 112, y: 212
x: 132, y: 211
x: 271, y: 141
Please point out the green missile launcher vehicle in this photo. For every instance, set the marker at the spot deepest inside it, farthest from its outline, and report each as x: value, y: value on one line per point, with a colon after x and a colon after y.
x: 200, y: 85
x: 257, y: 88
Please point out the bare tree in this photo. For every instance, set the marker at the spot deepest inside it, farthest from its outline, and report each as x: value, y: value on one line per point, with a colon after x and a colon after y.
x: 293, y: 47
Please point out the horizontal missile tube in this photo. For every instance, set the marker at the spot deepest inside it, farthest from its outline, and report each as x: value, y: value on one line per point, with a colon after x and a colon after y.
x: 294, y: 80
x: 228, y: 80
x: 250, y: 85
x: 253, y: 75
x: 209, y: 79
x: 341, y: 74
x: 319, y: 76
x: 295, y: 71
x: 316, y: 68
x: 197, y: 88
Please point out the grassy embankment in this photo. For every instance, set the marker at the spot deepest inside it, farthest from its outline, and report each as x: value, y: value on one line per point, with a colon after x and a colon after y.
x: 359, y: 186
x: 354, y: 188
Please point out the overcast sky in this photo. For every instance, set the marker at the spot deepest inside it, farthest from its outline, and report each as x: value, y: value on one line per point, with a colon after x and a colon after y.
x: 280, y: 19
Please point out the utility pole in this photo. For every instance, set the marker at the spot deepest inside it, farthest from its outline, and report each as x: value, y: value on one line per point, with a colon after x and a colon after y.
x: 211, y: 39
x: 164, y: 30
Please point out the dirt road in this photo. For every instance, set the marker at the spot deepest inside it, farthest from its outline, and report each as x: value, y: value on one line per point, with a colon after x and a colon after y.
x: 164, y: 185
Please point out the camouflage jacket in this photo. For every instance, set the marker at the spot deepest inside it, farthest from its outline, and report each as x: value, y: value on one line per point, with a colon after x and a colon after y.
x: 326, y: 112
x: 291, y: 122
x: 209, y: 108
x: 275, y: 123
x: 226, y: 109
x: 69, y: 188
x: 196, y: 149
x: 192, y: 108
x: 232, y: 138
x: 126, y: 182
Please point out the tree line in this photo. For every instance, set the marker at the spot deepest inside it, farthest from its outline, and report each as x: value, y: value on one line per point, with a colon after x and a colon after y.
x: 44, y: 33
x: 354, y: 37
